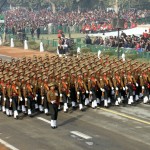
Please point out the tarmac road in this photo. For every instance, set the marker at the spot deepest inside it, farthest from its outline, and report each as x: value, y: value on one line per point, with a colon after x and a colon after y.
x: 92, y: 129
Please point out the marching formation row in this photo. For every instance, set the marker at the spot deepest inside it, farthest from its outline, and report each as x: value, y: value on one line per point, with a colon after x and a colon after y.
x: 35, y: 83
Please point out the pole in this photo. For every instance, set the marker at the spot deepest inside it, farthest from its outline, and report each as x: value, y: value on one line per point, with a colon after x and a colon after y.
x: 69, y: 30
x: 118, y: 43
x: 117, y: 10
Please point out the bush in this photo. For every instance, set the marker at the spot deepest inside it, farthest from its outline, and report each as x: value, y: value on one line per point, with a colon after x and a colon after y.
x: 110, y: 53
x: 72, y: 52
x: 132, y: 56
x: 85, y: 50
x: 33, y: 45
x: 18, y: 44
x: 6, y: 44
x: 50, y: 49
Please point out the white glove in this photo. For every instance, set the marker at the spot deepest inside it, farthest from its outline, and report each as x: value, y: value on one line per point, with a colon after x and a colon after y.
x: 4, y: 98
x: 117, y: 89
x: 90, y: 92
x: 102, y: 90
x: 36, y: 95
x: 10, y: 100
x: 137, y: 84
x: 42, y: 97
x: 35, y: 98
x: 78, y: 93
x: 0, y: 96
x: 56, y: 94
x: 26, y: 99
x: 143, y: 87
x: 20, y: 98
x: 126, y: 87
x: 87, y: 92
x: 53, y: 102
x: 60, y: 95
x: 112, y: 88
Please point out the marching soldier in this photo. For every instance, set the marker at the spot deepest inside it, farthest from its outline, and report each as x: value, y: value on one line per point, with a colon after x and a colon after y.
x: 64, y: 92
x: 72, y: 89
x: 44, y: 91
x: 81, y: 89
x: 22, y: 94
x: 29, y: 96
x: 130, y: 87
x: 118, y: 85
x: 37, y: 85
x: 145, y: 83
x: 8, y: 98
x: 1, y: 94
x: 16, y: 94
x: 106, y: 86
x: 52, y: 95
x: 92, y: 85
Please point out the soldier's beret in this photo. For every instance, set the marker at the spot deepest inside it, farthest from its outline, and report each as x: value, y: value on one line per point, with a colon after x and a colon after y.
x: 51, y: 84
x: 7, y: 78
x: 39, y: 76
x: 27, y: 79
x: 45, y: 78
x: 13, y: 79
x: 84, y: 71
x: 1, y: 76
x: 5, y: 72
x: 79, y: 73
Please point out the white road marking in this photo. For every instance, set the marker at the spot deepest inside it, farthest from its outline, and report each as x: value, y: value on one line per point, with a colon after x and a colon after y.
x: 8, y: 145
x: 45, y: 120
x: 125, y: 116
x: 138, y: 127
x: 84, y: 136
x: 74, y: 136
x: 89, y: 143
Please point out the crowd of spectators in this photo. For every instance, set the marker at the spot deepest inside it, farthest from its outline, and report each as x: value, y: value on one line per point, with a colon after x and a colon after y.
x: 140, y: 43
x: 91, y: 20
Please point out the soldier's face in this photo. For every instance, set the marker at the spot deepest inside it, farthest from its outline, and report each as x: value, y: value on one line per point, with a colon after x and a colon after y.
x: 80, y: 77
x: 85, y: 74
x: 52, y: 88
x: 64, y: 78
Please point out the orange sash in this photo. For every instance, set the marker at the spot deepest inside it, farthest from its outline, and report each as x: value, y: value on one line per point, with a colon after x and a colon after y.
x: 64, y: 85
x: 29, y: 88
x: 118, y: 80
x: 130, y: 78
x: 105, y: 78
x: 46, y: 86
x: 14, y: 89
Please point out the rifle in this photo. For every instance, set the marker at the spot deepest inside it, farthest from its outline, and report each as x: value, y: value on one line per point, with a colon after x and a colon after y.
x: 76, y: 87
x: 59, y: 88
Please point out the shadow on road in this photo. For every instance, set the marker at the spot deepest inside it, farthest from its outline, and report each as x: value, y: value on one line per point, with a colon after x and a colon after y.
x: 70, y: 120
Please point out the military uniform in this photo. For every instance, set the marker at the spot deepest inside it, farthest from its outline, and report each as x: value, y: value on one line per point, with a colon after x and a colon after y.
x: 81, y: 89
x: 52, y: 95
x: 145, y: 83
x: 16, y: 94
x: 64, y: 92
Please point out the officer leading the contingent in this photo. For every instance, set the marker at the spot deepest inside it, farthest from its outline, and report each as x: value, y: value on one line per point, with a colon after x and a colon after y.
x: 52, y: 97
